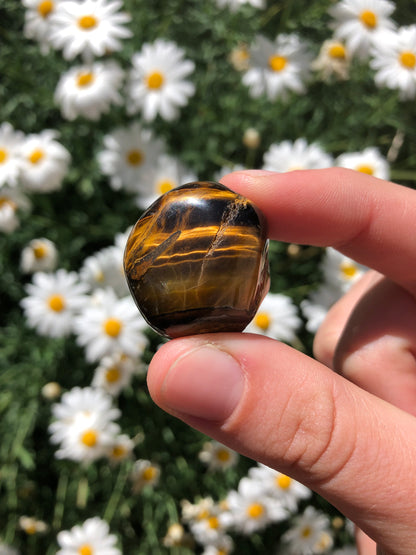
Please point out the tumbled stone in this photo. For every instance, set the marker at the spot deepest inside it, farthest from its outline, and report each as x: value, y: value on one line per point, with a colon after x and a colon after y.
x: 197, y: 261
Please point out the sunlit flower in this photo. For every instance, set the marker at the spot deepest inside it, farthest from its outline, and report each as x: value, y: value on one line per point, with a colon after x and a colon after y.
x: 223, y: 546
x: 91, y: 27
x: 394, y: 59
x: 51, y: 391
x: 306, y: 532
x: 32, y: 525
x: 195, y: 511
x: 89, y: 90
x: 40, y: 255
x: 279, y: 486
x: 10, y: 160
x: 44, y: 162
x: 251, y: 138
x: 240, y: 57
x: 12, y: 201
x: 340, y: 271
x: 249, y: 510
x: 115, y: 372
x: 333, y: 60
x: 218, y: 456
x: 299, y: 155
x: 233, y: 5
x: 109, y: 325
x: 176, y: 536
x: 37, y: 21
x: 129, y: 157
x: 121, y: 449
x: 52, y: 302
x: 369, y: 161
x: 83, y: 425
x: 276, y: 317
x: 144, y: 473
x: 91, y: 537
x: 157, y: 83
x: 169, y: 173
x: 358, y: 22
x: 279, y: 67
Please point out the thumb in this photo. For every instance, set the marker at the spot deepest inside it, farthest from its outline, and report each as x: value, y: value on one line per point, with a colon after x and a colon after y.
x: 290, y: 412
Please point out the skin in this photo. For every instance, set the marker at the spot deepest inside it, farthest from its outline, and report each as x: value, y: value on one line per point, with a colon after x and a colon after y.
x: 343, y: 424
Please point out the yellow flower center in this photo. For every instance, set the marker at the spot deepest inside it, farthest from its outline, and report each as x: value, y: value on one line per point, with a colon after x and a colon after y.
x: 408, y: 60
x: 89, y: 438
x: 369, y: 19
x: 56, y: 303
x: 31, y: 529
x: 85, y: 78
x: 135, y: 157
x: 213, y: 523
x: 262, y: 320
x: 348, y: 269
x: 112, y: 327
x: 112, y: 375
x: 45, y: 8
x: 87, y: 22
x: 85, y: 549
x: 155, y: 80
x: 364, y: 168
x: 5, y: 201
x: 223, y: 455
x: 337, y: 51
x: 283, y: 481
x: 277, y: 63
x: 149, y: 473
x: 306, y: 532
x: 118, y: 451
x: 3, y: 155
x: 255, y: 510
x: 36, y: 156
x: 40, y: 251
x: 164, y: 186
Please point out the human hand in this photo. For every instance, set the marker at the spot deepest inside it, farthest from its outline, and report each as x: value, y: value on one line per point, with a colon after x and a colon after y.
x: 350, y: 440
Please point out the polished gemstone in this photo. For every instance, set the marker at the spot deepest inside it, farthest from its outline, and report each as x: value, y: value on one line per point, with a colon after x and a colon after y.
x: 196, y: 261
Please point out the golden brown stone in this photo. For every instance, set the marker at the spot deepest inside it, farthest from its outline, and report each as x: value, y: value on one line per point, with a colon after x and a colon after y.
x: 196, y: 261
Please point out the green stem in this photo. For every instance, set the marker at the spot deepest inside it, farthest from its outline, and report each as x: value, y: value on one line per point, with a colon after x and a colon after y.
x: 60, y: 500
x: 115, y: 496
x: 82, y: 493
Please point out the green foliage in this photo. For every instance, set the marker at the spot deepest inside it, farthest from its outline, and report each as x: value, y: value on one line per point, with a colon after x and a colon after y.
x: 85, y: 216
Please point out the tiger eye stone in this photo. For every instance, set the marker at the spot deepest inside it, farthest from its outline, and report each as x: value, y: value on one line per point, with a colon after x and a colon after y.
x: 197, y: 262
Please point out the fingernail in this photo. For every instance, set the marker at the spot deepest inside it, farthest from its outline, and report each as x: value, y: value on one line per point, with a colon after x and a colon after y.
x: 205, y: 383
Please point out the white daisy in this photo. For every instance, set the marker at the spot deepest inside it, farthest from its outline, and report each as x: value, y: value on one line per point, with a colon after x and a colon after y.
x: 299, y: 155
x: 340, y: 271
x: 144, y: 473
x: 11, y: 202
x: 10, y: 160
x: 333, y: 60
x: 394, y: 59
x: 108, y: 325
x: 306, y: 532
x: 8, y: 550
x: 121, y: 449
x: 169, y: 173
x: 177, y: 537
x: 115, y: 373
x: 44, y: 162
x: 233, y: 5
x: 276, y: 317
x: 40, y: 255
x: 52, y: 302
x: 32, y: 525
x: 279, y: 486
x: 279, y: 67
x: 89, y: 90
x: 157, y: 83
x: 83, y: 425
x: 249, y: 510
x: 92, y: 537
x: 316, y: 306
x: 208, y: 530
x: 218, y: 456
x: 91, y: 28
x: 105, y: 269
x: 129, y: 157
x: 37, y: 21
x: 195, y: 511
x: 358, y: 22
x: 369, y: 161
x: 223, y: 546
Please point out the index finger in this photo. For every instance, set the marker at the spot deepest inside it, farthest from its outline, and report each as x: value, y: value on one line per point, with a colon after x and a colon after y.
x: 368, y: 219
